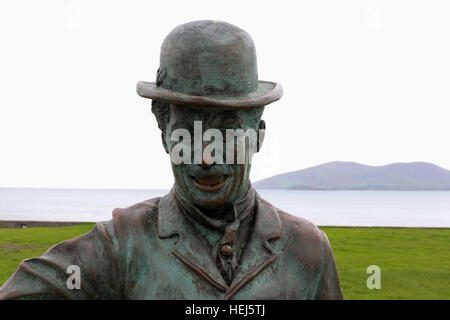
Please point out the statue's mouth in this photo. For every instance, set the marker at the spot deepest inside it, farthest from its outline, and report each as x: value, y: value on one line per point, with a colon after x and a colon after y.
x: 210, y: 183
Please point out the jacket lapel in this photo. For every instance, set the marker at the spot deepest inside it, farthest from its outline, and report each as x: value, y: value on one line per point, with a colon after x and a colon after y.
x: 189, y: 248
x: 258, y: 253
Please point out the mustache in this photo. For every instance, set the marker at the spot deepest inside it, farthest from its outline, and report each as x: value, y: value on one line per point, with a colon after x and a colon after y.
x: 207, y: 172
x: 199, y: 171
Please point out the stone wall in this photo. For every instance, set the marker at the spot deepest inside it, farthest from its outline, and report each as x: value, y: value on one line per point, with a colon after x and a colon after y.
x: 30, y: 224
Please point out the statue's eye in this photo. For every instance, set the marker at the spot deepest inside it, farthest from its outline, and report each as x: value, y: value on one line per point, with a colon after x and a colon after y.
x: 183, y: 125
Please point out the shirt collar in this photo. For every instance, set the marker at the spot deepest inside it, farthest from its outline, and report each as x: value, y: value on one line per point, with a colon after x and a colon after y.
x: 171, y: 220
x: 241, y: 209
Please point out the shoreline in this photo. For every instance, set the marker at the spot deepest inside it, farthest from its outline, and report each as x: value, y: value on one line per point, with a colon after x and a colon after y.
x: 22, y: 224
x: 36, y: 223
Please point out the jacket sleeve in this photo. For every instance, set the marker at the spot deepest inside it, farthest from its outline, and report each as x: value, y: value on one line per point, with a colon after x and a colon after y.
x: 328, y: 287
x: 46, y: 277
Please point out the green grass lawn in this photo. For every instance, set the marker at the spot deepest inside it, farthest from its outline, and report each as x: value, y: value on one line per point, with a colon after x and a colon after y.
x: 19, y: 244
x: 414, y: 263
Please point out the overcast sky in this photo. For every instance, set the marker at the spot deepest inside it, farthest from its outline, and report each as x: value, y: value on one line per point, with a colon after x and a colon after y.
x: 364, y: 81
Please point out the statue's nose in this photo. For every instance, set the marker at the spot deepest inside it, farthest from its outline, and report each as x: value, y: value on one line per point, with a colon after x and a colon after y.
x: 207, y: 159
x: 205, y: 165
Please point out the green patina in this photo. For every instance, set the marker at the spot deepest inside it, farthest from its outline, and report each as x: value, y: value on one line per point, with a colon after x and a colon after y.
x: 212, y: 236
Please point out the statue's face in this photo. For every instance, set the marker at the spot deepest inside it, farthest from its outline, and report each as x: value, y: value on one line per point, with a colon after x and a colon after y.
x: 211, y: 185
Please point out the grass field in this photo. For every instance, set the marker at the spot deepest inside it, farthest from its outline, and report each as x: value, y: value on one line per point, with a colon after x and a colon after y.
x: 414, y: 262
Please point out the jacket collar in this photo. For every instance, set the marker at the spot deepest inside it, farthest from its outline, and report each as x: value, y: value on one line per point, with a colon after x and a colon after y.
x: 241, y: 210
x: 257, y: 255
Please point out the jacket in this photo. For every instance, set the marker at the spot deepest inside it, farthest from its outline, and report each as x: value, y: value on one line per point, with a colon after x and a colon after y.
x: 150, y: 251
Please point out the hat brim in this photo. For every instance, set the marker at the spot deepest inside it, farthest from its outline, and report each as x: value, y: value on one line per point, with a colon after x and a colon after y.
x: 266, y: 93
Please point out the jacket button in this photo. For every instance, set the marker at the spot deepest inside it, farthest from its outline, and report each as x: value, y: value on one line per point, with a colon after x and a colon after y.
x: 226, y: 250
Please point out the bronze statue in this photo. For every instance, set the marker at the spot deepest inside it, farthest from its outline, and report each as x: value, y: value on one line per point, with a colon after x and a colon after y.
x: 212, y: 236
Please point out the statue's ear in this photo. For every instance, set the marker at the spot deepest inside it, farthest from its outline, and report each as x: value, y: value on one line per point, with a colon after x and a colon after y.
x: 164, y: 140
x: 161, y: 110
x: 261, y: 133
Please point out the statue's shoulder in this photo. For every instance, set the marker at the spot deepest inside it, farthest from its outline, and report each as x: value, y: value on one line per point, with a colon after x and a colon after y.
x: 298, y: 225
x: 137, y: 216
x: 300, y: 232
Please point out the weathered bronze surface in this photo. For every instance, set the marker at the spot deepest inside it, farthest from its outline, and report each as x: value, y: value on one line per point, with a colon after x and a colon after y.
x: 212, y: 236
x: 210, y: 63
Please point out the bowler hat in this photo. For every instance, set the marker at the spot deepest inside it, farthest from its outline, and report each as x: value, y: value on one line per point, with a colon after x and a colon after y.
x: 211, y: 63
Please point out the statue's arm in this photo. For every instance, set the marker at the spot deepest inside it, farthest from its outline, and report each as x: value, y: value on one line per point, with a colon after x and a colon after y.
x: 46, y: 277
x: 328, y: 287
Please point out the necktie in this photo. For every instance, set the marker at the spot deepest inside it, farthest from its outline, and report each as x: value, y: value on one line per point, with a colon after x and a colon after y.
x: 226, y: 256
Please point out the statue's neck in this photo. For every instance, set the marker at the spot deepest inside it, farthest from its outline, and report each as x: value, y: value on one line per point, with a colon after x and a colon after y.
x: 225, y: 212
x: 219, y: 215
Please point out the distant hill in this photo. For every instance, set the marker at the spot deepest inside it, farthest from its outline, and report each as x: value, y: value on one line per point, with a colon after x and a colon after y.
x: 339, y: 175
